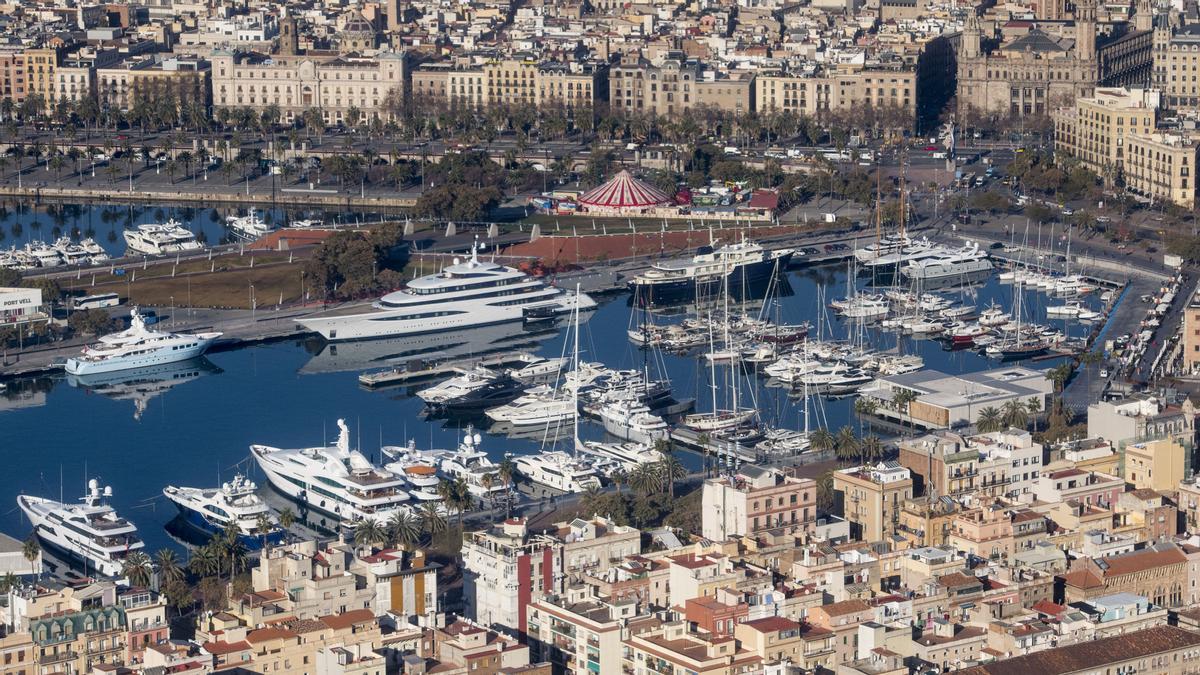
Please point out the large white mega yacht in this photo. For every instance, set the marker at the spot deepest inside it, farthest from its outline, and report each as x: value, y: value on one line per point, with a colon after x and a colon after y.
x: 91, y: 532
x: 138, y: 347
x: 161, y: 238
x: 213, y: 509
x: 557, y: 470
x: 965, y: 261
x: 464, y: 295
x: 334, y: 479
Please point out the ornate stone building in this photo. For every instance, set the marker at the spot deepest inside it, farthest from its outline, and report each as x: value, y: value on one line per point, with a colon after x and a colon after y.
x: 1052, y: 64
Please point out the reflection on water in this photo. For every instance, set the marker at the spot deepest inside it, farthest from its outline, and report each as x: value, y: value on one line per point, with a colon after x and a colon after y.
x: 360, y: 355
x: 140, y: 385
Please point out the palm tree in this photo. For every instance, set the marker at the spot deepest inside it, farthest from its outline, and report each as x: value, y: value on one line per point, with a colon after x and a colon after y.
x: 670, y: 470
x: 263, y: 526
x: 618, y: 477
x: 404, y: 530
x: 287, y: 518
x: 590, y: 498
x: 822, y: 440
x: 432, y: 520
x: 1015, y: 414
x: 31, y: 550
x: 864, y: 407
x: 368, y: 533
x: 872, y: 449
x: 169, y: 569
x: 644, y: 479
x: 1035, y: 409
x: 1059, y: 375
x: 903, y: 400
x: 204, y: 562
x: 138, y: 569
x: 846, y: 443
x: 989, y: 420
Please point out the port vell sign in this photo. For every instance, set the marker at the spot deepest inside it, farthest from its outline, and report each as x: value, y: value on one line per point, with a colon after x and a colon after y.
x: 17, y: 298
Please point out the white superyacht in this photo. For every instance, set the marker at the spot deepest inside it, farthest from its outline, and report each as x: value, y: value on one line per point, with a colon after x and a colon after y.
x: 557, y: 470
x: 161, y: 239
x: 138, y: 347
x: 213, y: 509
x: 334, y: 480
x: 91, y: 532
x: 968, y: 260
x: 464, y: 295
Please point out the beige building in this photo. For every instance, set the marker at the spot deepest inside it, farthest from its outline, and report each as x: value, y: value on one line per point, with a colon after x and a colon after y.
x: 185, y: 79
x: 757, y: 500
x: 1160, y: 166
x: 1034, y: 73
x: 339, y: 644
x: 40, y: 66
x: 893, y: 90
x: 674, y: 85
x: 579, y: 634
x: 1157, y: 465
x: 510, y: 82
x: 675, y: 649
x: 872, y: 497
x: 1096, y: 129
x: 1176, y: 69
x: 332, y: 83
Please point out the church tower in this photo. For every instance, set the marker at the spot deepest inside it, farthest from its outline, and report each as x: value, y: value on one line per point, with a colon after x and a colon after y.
x: 1085, y: 30
x: 1143, y: 19
x: 972, y: 34
x: 289, y: 39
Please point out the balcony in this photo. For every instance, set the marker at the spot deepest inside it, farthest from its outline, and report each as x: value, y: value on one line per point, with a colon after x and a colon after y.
x: 59, y: 657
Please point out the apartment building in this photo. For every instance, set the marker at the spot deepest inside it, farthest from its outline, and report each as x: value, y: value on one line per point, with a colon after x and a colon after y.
x: 1156, y: 465
x: 675, y: 84
x: 511, y: 82
x: 1160, y: 166
x: 1175, y: 66
x: 335, y: 84
x: 673, y: 648
x: 182, y: 79
x: 1073, y: 486
x: 756, y: 500
x: 12, y: 74
x: 782, y: 642
x: 1142, y: 417
x: 507, y: 568
x: 1009, y: 462
x: 345, y: 643
x: 579, y: 634
x: 815, y: 95
x: 942, y: 462
x: 405, y: 584
x: 40, y: 65
x: 1096, y: 130
x: 303, y: 581
x: 1191, y: 336
x: 871, y: 497
x: 465, y: 647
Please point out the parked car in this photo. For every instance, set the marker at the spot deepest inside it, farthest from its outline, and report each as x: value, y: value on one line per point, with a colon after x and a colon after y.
x: 808, y: 250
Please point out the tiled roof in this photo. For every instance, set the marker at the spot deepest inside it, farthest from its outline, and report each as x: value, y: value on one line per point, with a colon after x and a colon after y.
x: 1092, y: 655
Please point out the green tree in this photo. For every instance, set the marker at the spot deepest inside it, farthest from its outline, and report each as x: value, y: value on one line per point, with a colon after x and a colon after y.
x: 368, y: 533
x: 169, y: 569
x: 404, y: 529
x: 91, y: 322
x: 1014, y: 414
x: 822, y: 440
x: 31, y: 550
x: 670, y: 471
x: 287, y: 518
x: 989, y: 420
x: 205, y: 561
x: 432, y: 520
x: 846, y: 443
x: 138, y: 569
x: 904, y: 399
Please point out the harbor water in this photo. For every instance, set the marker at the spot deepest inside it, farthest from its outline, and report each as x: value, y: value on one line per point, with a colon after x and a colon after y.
x: 192, y: 424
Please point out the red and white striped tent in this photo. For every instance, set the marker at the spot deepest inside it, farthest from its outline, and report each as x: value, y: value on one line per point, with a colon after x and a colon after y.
x: 624, y: 193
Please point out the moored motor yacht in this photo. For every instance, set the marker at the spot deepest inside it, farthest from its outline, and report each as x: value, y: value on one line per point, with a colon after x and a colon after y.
x: 91, y: 532
x: 213, y: 510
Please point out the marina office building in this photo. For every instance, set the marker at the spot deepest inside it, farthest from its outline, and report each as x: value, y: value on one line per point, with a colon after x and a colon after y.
x: 19, y: 306
x: 951, y: 401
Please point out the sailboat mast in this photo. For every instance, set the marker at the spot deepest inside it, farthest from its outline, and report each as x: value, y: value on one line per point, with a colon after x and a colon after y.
x: 578, y: 376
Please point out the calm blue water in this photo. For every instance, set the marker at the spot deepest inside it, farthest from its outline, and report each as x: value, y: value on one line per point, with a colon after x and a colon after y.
x: 197, y: 431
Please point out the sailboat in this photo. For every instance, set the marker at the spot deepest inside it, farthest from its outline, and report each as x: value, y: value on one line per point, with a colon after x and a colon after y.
x: 557, y: 469
x: 719, y: 420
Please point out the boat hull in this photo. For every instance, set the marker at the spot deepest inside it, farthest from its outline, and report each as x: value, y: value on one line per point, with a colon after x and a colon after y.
x: 198, y: 522
x: 744, y: 280
x: 155, y: 358
x: 453, y: 316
